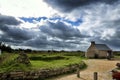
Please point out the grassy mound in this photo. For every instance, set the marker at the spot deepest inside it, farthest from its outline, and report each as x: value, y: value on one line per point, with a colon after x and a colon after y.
x: 9, y: 63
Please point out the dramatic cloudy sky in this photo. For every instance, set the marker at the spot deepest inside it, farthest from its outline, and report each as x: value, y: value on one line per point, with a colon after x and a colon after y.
x: 59, y: 24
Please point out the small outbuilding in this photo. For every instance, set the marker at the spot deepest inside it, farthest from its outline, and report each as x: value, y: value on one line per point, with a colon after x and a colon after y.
x: 99, y: 51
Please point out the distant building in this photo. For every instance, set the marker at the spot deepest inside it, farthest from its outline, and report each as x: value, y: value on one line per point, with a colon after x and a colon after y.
x: 98, y: 51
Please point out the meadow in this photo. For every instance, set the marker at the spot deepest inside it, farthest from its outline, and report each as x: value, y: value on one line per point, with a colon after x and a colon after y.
x: 44, y: 60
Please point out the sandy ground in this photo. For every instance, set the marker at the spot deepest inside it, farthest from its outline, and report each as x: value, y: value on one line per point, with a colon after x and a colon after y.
x: 103, y: 67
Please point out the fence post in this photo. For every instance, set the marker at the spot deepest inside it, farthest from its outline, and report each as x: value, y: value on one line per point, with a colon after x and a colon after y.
x: 95, y: 76
x: 78, y: 73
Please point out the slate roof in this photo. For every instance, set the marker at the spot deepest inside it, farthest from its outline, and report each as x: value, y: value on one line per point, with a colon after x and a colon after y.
x: 102, y: 47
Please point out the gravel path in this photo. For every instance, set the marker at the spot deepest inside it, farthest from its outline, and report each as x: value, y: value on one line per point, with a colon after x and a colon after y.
x: 103, y: 67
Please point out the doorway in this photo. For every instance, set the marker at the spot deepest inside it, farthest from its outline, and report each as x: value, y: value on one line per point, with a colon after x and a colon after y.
x: 109, y: 54
x: 96, y: 56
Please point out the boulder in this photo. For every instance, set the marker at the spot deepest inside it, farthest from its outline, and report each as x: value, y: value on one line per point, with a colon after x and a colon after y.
x: 23, y: 58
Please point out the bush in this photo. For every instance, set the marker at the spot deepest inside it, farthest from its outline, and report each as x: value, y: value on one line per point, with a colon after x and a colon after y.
x: 47, y: 58
x: 80, y: 54
x: 118, y: 65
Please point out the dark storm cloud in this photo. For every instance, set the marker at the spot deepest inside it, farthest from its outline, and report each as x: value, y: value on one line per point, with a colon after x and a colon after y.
x: 60, y: 30
x: 69, y: 5
x: 56, y: 35
x: 19, y: 34
x: 14, y: 32
x: 38, y: 42
x: 8, y: 20
x: 10, y: 32
x: 47, y: 36
x: 44, y: 43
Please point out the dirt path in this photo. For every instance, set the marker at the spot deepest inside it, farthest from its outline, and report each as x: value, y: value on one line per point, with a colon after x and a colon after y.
x: 103, y: 67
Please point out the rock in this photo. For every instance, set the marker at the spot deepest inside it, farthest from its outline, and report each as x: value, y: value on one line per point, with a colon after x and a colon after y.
x: 23, y: 58
x: 118, y: 65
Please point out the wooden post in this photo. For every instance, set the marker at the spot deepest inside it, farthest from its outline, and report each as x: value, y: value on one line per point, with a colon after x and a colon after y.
x: 95, y: 76
x: 78, y: 73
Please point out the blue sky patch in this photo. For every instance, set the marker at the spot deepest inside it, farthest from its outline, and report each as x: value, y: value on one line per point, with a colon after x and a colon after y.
x: 32, y: 19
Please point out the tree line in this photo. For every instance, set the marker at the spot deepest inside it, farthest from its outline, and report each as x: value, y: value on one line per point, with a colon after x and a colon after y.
x: 7, y: 48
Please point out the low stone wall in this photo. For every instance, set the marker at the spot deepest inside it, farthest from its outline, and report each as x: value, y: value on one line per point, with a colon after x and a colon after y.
x: 41, y: 74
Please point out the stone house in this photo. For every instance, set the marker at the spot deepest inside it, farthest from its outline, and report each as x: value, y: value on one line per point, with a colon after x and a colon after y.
x: 98, y: 51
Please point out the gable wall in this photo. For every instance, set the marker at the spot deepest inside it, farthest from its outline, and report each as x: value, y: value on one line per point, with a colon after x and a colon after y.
x: 91, y: 51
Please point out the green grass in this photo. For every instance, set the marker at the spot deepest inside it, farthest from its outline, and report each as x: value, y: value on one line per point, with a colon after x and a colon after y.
x: 55, y: 63
x: 8, y: 59
x: 117, y: 57
x: 8, y: 62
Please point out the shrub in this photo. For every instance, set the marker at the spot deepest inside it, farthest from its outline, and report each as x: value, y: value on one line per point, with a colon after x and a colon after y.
x: 47, y: 58
x: 118, y: 65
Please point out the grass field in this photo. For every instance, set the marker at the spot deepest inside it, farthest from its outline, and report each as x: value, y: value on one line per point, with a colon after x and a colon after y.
x: 55, y: 63
x: 39, y: 61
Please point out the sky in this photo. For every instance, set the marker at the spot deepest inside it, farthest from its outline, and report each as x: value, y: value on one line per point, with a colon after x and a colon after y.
x: 60, y: 24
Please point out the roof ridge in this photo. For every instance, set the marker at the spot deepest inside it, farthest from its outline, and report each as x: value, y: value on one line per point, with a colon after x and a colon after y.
x: 105, y: 44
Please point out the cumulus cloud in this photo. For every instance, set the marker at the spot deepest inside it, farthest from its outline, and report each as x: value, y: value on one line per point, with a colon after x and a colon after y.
x: 78, y: 23
x: 10, y: 30
x: 8, y: 20
x: 50, y: 34
x: 56, y: 35
x: 25, y: 8
x: 60, y: 30
x: 100, y: 18
x: 101, y: 22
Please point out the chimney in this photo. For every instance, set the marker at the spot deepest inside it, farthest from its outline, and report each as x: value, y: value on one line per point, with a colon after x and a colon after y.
x: 92, y: 42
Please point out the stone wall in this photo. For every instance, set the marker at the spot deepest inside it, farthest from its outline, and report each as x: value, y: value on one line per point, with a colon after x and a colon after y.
x: 91, y: 51
x: 41, y: 74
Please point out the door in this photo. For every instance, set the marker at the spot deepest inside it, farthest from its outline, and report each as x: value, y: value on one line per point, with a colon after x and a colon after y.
x: 109, y: 54
x: 96, y: 56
